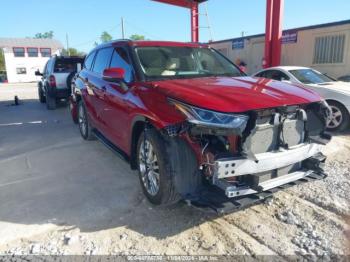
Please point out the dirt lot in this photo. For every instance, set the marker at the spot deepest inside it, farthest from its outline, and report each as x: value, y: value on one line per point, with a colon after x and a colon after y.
x: 62, y: 195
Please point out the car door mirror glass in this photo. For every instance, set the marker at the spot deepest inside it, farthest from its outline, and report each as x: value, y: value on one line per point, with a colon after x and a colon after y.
x: 114, y: 75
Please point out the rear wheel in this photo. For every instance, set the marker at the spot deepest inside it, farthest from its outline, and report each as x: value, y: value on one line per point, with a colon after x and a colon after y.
x: 84, y: 124
x: 42, y: 98
x: 339, y: 119
x: 50, y: 102
x: 155, y: 170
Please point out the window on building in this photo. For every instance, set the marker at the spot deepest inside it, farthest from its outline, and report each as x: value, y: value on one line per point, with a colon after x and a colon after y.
x: 102, y: 60
x: 329, y: 49
x: 45, y: 52
x: 32, y: 52
x: 21, y: 70
x: 18, y: 51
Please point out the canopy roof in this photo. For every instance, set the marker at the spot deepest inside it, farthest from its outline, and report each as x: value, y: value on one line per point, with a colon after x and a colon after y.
x: 181, y: 3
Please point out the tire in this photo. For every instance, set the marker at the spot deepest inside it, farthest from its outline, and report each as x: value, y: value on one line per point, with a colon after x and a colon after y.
x: 84, y: 124
x: 42, y: 98
x: 153, y: 145
x: 69, y: 80
x: 50, y: 102
x: 340, y: 119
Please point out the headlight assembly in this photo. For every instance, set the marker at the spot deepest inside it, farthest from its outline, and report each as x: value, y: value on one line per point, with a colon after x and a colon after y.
x: 208, y: 118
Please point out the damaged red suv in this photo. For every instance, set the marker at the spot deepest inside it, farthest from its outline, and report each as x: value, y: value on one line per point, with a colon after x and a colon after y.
x: 195, y: 127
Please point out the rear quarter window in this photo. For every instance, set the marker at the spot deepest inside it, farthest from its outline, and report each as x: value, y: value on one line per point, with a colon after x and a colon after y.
x: 89, y: 60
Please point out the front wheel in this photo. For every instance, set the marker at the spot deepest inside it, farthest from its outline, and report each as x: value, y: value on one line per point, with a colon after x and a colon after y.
x: 339, y: 119
x: 50, y: 102
x: 154, y: 169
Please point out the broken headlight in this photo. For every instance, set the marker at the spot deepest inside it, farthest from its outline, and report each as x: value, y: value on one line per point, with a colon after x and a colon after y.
x: 208, y: 118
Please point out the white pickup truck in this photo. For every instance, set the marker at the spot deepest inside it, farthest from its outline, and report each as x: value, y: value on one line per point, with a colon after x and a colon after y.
x: 56, y: 79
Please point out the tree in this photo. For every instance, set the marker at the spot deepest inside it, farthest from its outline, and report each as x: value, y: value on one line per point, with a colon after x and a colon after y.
x: 48, y: 34
x: 72, y: 52
x: 137, y: 37
x: 2, y: 60
x: 105, y: 37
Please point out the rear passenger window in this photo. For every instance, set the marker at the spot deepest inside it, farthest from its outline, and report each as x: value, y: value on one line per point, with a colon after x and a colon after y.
x: 102, y: 60
x: 88, y: 60
x: 121, y: 59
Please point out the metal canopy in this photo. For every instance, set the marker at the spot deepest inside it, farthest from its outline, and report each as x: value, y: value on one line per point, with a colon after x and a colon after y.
x: 181, y: 3
x: 193, y: 6
x: 273, y: 38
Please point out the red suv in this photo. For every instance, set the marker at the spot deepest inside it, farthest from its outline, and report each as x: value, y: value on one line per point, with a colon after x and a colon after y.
x: 195, y: 126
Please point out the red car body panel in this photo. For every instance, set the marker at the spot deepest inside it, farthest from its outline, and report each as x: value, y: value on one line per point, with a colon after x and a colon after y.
x: 234, y: 95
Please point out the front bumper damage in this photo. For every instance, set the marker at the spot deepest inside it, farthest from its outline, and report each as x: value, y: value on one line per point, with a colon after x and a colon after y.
x: 264, y: 162
x: 214, y: 198
x: 279, y: 148
x: 227, y: 197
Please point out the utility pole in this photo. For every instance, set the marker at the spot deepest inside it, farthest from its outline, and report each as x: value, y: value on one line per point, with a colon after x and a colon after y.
x: 122, y: 24
x: 67, y: 44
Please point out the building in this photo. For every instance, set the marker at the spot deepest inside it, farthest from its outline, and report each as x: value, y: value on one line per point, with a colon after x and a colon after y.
x: 325, y: 47
x: 23, y: 56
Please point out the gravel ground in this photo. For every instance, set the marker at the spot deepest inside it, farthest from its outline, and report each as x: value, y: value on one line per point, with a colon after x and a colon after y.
x: 61, y: 195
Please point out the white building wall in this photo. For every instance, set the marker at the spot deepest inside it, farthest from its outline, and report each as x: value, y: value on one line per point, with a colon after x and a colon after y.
x: 30, y: 63
x: 298, y: 54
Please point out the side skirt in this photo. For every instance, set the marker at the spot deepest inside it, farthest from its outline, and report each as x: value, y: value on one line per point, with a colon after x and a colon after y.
x: 120, y: 153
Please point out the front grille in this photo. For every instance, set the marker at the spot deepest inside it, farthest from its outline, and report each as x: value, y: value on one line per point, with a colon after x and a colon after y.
x: 268, y: 137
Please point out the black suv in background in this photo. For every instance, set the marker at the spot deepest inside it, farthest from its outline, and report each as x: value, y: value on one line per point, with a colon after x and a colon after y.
x: 56, y: 80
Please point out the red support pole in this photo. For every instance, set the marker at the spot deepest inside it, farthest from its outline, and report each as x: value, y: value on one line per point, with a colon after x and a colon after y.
x: 276, y: 43
x: 194, y: 22
x: 273, y: 37
x: 268, y: 34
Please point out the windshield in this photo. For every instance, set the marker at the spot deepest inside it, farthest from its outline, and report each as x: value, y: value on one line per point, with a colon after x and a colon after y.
x: 309, y: 76
x: 159, y: 63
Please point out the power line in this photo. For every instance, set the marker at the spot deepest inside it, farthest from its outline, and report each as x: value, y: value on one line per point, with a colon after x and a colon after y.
x: 142, y: 30
x: 96, y: 38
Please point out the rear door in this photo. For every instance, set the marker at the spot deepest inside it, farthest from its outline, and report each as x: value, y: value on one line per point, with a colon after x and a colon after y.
x: 97, y: 87
x: 87, y: 92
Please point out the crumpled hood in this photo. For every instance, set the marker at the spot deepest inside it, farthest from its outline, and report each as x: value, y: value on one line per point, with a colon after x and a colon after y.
x: 235, y: 94
x: 341, y: 87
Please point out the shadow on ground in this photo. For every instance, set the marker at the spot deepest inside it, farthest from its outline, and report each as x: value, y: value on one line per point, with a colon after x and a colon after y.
x: 48, y: 174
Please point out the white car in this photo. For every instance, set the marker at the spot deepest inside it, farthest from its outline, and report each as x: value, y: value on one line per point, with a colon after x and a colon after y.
x: 336, y: 93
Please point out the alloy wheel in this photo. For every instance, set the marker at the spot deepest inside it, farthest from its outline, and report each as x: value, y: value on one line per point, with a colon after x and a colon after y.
x: 149, y: 168
x: 335, y: 119
x: 82, y: 120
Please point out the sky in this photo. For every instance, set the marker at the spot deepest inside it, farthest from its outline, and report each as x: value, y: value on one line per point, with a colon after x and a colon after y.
x: 85, y: 20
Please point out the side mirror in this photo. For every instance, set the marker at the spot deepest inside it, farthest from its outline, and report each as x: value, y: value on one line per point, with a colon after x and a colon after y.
x: 115, y: 75
x: 37, y: 73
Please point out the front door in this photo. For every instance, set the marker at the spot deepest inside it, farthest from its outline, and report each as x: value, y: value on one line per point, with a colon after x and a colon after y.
x: 116, y: 111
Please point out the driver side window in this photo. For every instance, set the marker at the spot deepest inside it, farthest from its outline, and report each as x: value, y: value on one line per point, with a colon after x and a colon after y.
x: 120, y: 59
